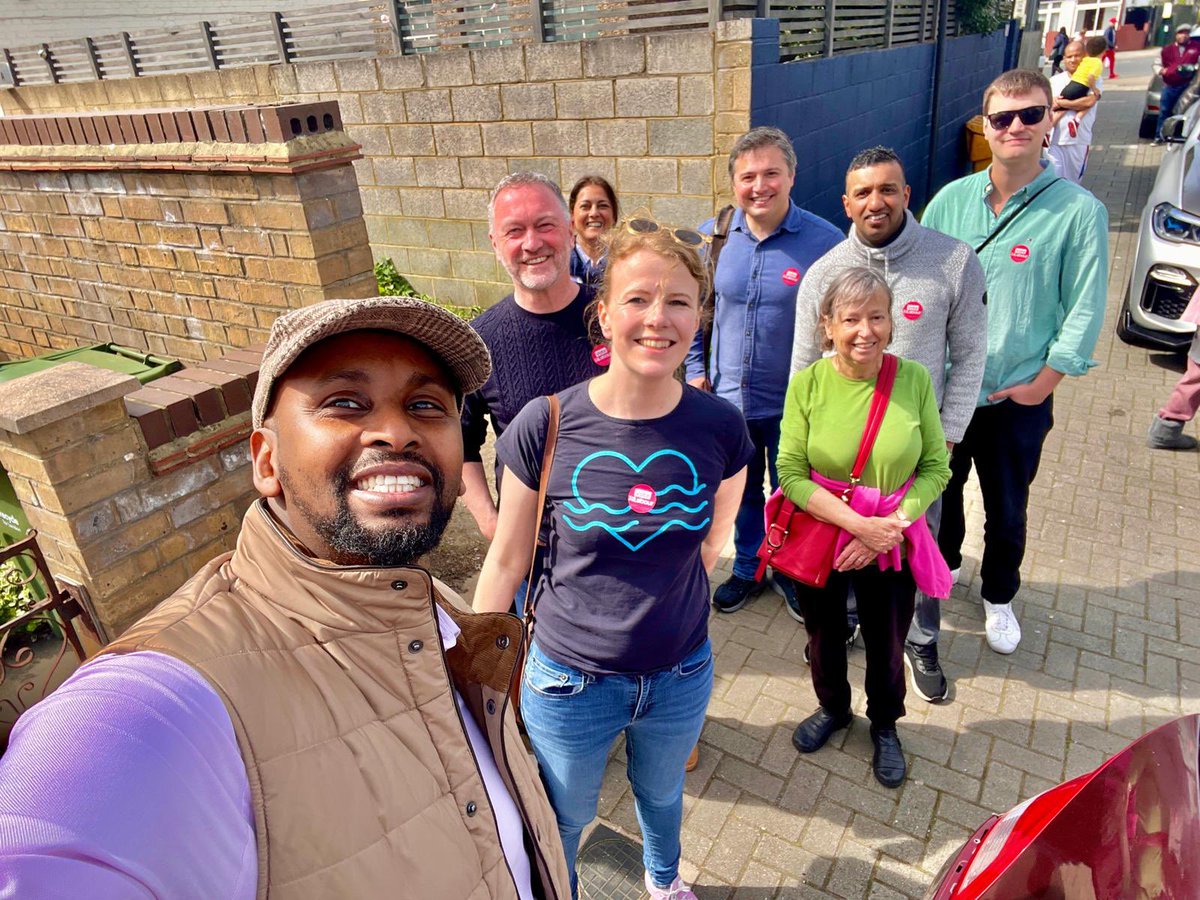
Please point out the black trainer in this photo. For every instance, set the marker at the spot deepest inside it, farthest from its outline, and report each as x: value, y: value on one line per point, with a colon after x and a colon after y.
x: 734, y: 593
x: 784, y: 586
x: 928, y: 680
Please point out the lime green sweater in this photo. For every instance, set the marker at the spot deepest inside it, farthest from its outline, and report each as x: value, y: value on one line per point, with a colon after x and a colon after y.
x: 823, y: 419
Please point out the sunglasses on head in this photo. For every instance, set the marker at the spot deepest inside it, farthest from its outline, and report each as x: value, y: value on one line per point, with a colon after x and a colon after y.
x: 685, y: 236
x: 1030, y: 115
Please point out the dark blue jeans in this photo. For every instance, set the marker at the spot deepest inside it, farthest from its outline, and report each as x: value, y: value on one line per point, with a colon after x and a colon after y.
x: 1166, y: 103
x: 1005, y: 444
x: 748, y: 528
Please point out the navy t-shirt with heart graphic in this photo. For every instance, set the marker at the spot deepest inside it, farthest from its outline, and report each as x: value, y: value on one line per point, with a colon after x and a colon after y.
x: 631, y: 501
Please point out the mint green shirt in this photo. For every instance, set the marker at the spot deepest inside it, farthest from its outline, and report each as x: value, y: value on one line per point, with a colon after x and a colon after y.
x: 824, y: 414
x: 1046, y: 272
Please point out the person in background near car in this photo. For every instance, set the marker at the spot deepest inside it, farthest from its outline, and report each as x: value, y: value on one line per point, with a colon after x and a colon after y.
x: 1180, y: 59
x: 311, y: 715
x: 1110, y: 54
x: 1056, y: 53
x: 593, y: 205
x: 645, y: 470
x: 823, y: 422
x: 1166, y: 431
x: 538, y: 335
x: 1046, y: 261
x: 772, y: 242
x: 1071, y: 138
x: 938, y: 287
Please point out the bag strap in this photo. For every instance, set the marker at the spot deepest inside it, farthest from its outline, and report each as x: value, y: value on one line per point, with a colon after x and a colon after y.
x: 879, y: 405
x: 543, y: 483
x: 719, y: 236
x: 995, y: 234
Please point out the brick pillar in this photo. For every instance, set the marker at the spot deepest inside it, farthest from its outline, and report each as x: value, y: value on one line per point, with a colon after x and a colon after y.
x: 128, y: 524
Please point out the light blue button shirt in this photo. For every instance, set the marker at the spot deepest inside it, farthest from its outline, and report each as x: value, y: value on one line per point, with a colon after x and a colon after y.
x: 1046, y: 272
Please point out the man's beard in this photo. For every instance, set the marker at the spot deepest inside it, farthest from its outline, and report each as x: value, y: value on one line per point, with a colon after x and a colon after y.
x: 352, y: 543
x: 542, y: 281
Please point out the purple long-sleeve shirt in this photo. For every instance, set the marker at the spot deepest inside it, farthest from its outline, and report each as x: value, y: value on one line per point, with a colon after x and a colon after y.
x: 127, y: 782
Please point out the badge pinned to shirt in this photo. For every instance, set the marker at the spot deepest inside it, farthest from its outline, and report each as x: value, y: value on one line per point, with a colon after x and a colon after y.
x: 642, y: 498
x: 912, y: 310
x: 1019, y: 253
x: 791, y: 276
x: 601, y: 355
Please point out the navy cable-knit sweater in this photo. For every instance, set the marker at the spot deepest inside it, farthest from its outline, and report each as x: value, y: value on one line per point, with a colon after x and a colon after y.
x: 533, y: 355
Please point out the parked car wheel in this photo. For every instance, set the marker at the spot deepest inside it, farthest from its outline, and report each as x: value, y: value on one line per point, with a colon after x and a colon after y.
x: 1148, y: 126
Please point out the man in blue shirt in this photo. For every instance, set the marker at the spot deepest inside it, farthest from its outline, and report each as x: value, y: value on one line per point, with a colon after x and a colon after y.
x: 1043, y: 244
x: 771, y: 244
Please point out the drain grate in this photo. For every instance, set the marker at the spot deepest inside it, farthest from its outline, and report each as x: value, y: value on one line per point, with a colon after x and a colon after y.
x: 610, y: 867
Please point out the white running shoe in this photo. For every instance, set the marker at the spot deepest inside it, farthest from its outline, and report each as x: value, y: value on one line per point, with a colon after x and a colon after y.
x: 1001, y: 626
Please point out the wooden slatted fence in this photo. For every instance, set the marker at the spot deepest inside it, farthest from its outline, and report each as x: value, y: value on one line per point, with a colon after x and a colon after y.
x: 370, y: 28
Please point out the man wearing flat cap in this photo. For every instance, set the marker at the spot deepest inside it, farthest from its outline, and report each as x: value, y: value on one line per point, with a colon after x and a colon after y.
x: 312, y: 715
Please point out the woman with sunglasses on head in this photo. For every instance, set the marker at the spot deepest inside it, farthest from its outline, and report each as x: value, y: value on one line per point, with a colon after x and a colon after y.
x: 645, y: 481
x: 884, y: 542
x: 593, y: 205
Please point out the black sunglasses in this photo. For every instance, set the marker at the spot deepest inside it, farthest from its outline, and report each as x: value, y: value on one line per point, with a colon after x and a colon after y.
x: 1030, y: 115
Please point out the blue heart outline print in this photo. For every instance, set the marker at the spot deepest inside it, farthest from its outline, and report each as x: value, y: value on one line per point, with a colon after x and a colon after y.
x: 582, y: 506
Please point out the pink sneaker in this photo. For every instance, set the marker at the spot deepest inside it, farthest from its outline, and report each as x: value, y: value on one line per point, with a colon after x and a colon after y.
x: 677, y: 890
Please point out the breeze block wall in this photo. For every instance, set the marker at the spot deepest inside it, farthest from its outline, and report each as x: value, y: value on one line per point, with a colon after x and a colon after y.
x: 180, y: 232
x: 655, y: 114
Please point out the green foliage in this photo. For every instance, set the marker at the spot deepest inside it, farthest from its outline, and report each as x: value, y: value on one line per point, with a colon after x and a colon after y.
x: 393, y: 284
x: 16, y: 597
x: 982, y: 16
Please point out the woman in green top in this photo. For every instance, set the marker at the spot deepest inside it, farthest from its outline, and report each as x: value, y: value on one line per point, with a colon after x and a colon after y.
x: 823, y: 419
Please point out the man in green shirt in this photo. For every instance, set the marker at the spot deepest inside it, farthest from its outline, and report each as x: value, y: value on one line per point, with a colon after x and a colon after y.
x: 1043, y: 244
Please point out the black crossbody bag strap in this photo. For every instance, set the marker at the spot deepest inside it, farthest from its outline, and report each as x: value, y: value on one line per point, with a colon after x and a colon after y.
x: 995, y: 234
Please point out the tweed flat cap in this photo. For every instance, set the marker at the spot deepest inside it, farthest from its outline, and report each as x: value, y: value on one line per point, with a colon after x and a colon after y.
x: 447, y: 336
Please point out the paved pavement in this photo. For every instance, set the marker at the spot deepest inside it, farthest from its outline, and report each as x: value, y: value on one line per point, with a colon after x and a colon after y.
x: 1109, y: 647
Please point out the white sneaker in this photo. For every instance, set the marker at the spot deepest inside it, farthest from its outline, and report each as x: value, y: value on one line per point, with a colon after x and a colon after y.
x: 954, y: 573
x: 1001, y: 626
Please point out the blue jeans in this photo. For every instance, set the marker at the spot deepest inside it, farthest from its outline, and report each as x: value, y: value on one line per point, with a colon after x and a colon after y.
x: 573, y: 718
x: 1170, y: 95
x: 748, y: 528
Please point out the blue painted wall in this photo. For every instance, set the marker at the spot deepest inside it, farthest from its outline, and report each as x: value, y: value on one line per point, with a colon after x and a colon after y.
x: 832, y: 108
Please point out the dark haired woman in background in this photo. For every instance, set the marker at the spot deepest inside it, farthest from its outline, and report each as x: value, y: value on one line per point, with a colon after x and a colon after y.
x: 593, y: 204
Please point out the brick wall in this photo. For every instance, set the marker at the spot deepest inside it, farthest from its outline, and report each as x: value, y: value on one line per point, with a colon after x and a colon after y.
x: 183, y: 248
x: 654, y: 114
x: 85, y: 477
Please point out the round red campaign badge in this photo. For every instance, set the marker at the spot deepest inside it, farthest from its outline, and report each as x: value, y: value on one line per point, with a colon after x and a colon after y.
x: 912, y: 310
x: 1019, y: 253
x: 642, y: 498
x: 791, y: 277
x: 601, y: 355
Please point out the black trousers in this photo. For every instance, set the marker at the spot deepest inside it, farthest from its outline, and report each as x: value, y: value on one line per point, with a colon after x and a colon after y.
x: 885, y: 609
x: 1005, y: 444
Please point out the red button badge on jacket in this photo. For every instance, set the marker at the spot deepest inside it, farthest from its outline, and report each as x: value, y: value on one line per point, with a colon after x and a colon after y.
x: 601, y: 355
x: 791, y: 277
x: 1019, y: 253
x: 912, y: 310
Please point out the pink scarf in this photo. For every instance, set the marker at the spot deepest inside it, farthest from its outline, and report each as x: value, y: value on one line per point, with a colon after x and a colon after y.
x: 929, y: 569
